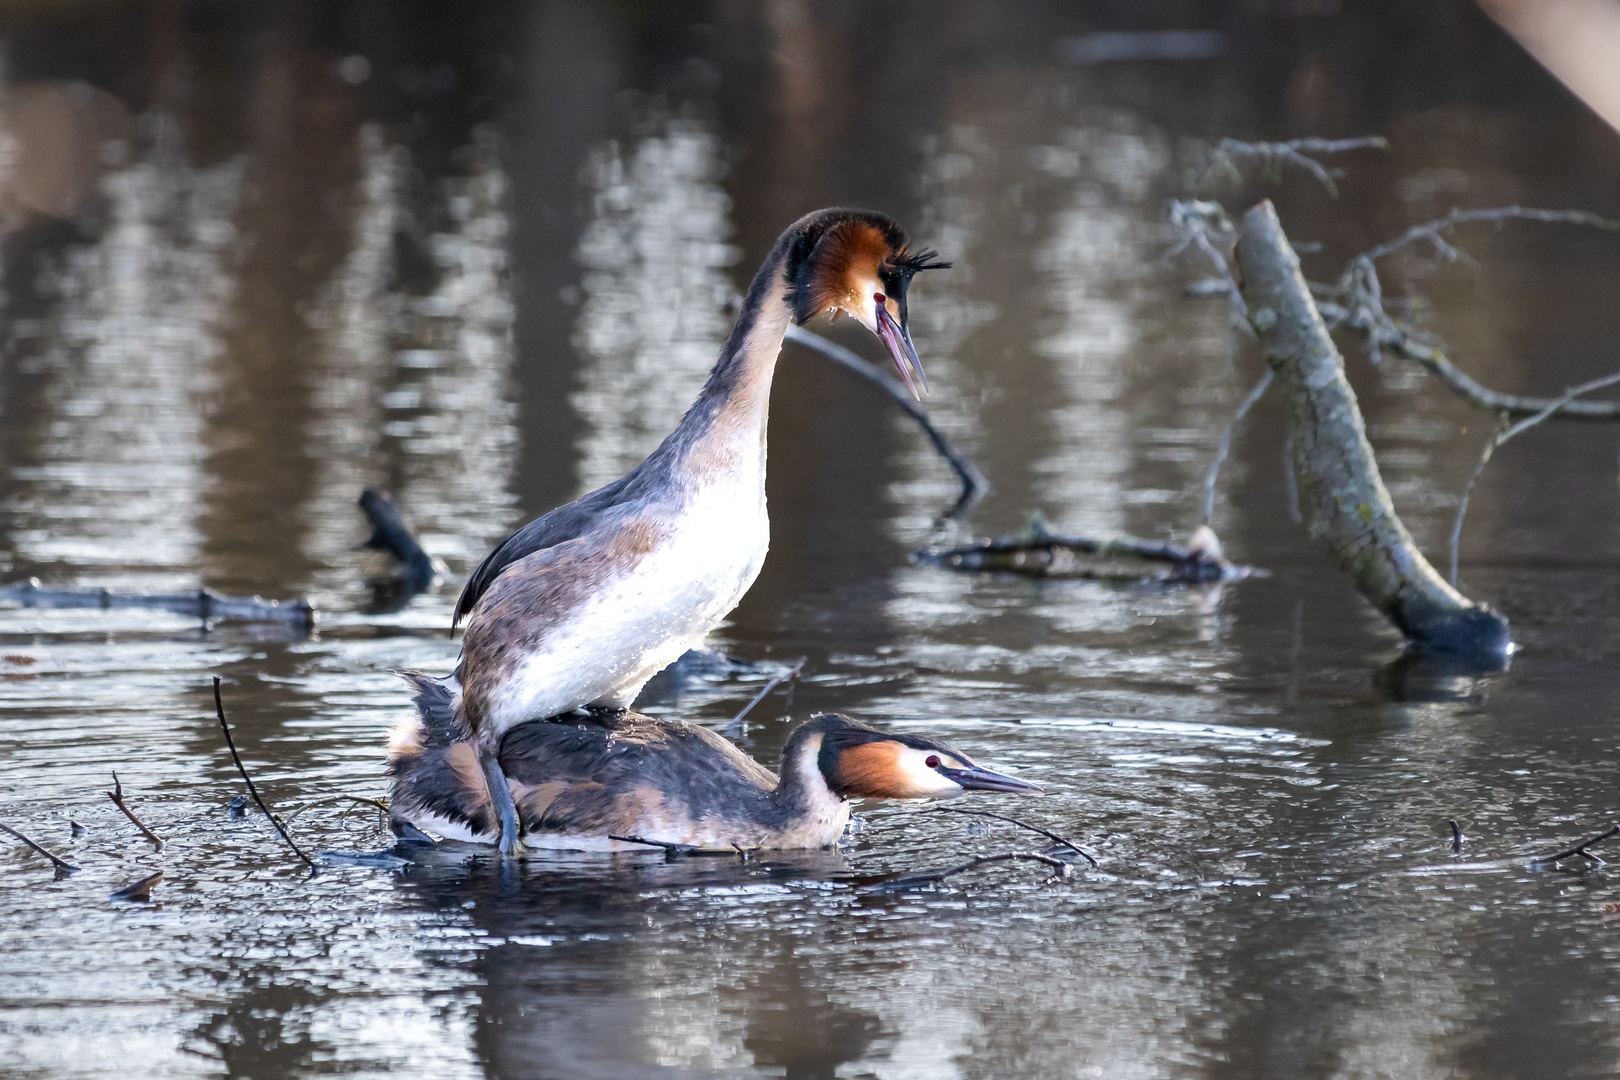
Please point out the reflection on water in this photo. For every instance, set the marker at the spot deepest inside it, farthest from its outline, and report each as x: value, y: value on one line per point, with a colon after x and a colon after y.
x: 288, y: 278
x: 655, y: 300
x: 117, y: 365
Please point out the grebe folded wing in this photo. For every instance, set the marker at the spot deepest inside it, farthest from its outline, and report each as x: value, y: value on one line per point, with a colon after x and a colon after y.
x: 565, y: 523
x: 582, y: 780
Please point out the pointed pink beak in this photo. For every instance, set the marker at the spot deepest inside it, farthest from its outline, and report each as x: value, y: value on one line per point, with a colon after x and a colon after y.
x: 898, y: 340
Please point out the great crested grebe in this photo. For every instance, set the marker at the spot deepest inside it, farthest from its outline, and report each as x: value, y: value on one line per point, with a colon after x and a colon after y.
x: 579, y: 781
x: 584, y: 605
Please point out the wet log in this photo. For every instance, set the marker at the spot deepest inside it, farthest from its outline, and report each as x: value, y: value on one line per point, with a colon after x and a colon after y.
x: 1341, y: 491
x: 1038, y: 553
x: 202, y: 604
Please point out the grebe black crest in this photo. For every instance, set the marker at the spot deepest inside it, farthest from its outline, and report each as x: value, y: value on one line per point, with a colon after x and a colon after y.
x: 582, y: 606
x: 577, y: 781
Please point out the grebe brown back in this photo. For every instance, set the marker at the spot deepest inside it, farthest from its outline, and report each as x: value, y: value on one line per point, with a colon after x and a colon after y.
x: 580, y: 780
x: 582, y: 606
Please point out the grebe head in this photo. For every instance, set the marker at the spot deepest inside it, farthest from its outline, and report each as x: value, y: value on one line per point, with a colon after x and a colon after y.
x: 859, y: 263
x: 860, y: 762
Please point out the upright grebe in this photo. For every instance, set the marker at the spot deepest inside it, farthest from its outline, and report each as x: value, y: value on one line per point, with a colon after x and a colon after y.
x: 580, y: 780
x: 584, y: 605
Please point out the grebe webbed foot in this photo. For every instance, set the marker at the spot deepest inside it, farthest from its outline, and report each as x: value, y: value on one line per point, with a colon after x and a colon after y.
x: 505, y: 809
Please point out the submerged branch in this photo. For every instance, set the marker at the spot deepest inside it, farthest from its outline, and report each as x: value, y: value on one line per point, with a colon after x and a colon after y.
x: 930, y: 877
x: 1064, y: 840
x: 1349, y: 508
x: 1042, y: 554
x: 673, y: 851
x: 381, y: 806
x: 1458, y: 381
x: 62, y: 865
x: 1430, y: 230
x: 201, y: 604
x: 789, y: 675
x: 1580, y: 849
x: 417, y: 571
x: 117, y: 796
x: 219, y: 708
x: 974, y: 485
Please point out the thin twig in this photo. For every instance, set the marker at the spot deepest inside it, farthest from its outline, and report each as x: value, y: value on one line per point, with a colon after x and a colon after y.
x: 674, y: 850
x: 1204, y: 225
x: 1455, y: 539
x: 1430, y: 230
x: 219, y: 707
x: 974, y: 485
x: 61, y: 864
x: 1502, y: 434
x: 1064, y: 840
x: 381, y: 805
x: 931, y: 876
x: 117, y: 796
x: 1580, y: 849
x: 1225, y: 446
x: 1364, y: 309
x: 1274, y: 155
x: 1459, y: 382
x: 787, y: 676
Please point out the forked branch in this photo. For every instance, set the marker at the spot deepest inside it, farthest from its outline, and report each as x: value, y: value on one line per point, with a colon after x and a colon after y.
x: 1274, y: 157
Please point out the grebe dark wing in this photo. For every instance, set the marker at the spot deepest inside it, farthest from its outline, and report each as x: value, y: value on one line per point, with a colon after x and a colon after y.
x: 623, y: 772
x: 559, y: 526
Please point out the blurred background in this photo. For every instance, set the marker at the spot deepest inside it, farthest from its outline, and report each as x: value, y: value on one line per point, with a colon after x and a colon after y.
x: 255, y: 257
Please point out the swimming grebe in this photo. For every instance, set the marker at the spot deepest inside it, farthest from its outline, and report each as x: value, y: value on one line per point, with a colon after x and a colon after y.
x: 580, y: 780
x: 584, y: 605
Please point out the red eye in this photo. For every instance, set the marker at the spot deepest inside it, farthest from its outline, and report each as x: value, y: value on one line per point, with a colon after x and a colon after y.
x: 933, y: 761
x: 879, y: 298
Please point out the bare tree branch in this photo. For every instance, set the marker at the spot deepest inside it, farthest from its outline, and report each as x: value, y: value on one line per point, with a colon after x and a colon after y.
x: 1430, y: 230
x: 1363, y: 308
x: 1225, y: 446
x: 930, y: 877
x: 1579, y: 849
x: 1503, y: 433
x: 1204, y: 226
x: 787, y: 676
x: 974, y: 485
x: 1274, y: 156
x: 62, y: 865
x: 139, y: 891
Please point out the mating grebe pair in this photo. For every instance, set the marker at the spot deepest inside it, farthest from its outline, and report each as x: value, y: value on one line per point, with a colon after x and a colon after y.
x: 578, y: 609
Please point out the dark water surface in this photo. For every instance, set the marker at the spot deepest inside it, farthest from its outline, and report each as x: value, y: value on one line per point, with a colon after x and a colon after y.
x: 258, y: 257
